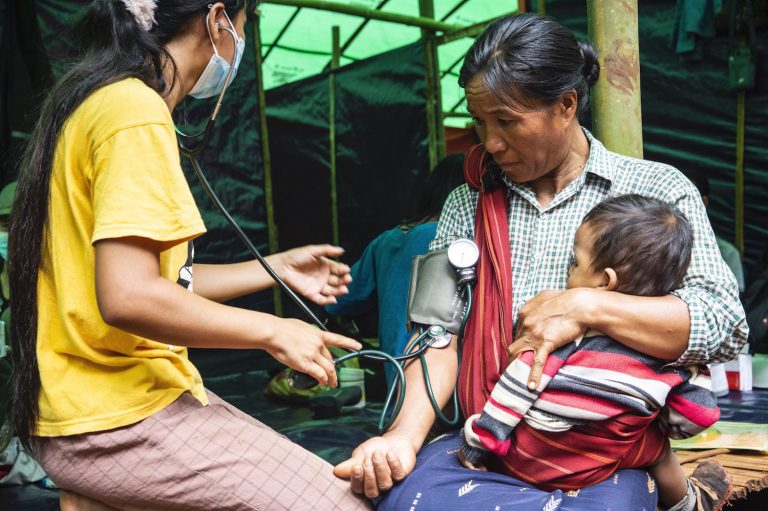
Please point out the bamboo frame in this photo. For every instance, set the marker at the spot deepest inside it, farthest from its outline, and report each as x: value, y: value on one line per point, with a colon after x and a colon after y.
x: 613, y: 30
x: 266, y: 157
x: 739, y: 177
x: 281, y: 33
x: 470, y: 31
x: 448, y: 37
x: 414, y: 21
x: 435, y: 130
x: 335, y: 60
x: 356, y: 33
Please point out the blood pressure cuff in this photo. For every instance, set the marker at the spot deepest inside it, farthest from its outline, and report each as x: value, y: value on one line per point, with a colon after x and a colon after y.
x: 434, y: 297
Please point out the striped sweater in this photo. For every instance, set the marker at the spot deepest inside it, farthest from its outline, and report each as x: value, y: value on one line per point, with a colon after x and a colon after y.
x: 592, y: 413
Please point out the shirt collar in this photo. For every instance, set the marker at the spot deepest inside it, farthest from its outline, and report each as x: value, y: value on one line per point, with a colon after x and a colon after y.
x: 599, y: 161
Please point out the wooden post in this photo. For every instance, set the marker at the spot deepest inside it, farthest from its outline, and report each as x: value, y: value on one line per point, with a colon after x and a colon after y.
x: 335, y: 61
x: 739, y: 178
x: 265, y: 157
x: 435, y: 129
x: 352, y: 10
x: 616, y: 113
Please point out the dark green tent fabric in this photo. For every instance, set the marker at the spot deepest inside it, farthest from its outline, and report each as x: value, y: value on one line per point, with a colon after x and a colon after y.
x: 688, y: 112
x: 689, y: 116
x: 381, y: 151
x: 24, y: 74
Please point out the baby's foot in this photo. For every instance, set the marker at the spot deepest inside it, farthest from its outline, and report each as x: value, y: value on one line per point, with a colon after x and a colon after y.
x: 712, y: 486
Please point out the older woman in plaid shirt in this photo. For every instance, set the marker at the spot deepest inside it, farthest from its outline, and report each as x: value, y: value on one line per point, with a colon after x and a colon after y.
x: 527, y: 80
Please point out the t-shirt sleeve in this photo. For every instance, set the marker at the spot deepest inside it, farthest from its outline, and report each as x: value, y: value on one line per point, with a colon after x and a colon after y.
x: 139, y: 189
x: 457, y: 219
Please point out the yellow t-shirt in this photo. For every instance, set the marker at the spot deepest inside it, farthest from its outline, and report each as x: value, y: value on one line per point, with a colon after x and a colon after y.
x: 116, y: 172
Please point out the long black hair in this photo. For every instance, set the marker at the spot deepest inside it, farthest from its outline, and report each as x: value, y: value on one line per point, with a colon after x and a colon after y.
x: 447, y: 175
x: 526, y: 57
x: 113, y: 47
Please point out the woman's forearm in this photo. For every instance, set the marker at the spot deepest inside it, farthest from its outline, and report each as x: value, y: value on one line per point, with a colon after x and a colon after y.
x: 656, y: 326
x: 223, y: 282
x: 417, y: 415
x: 164, y: 311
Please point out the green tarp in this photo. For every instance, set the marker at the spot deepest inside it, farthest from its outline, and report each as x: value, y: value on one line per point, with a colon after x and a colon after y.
x: 689, y: 120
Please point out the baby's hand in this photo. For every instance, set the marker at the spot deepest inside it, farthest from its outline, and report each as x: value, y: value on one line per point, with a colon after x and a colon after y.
x: 469, y: 465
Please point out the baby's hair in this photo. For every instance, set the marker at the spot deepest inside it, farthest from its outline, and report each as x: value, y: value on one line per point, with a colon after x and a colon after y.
x: 646, y: 241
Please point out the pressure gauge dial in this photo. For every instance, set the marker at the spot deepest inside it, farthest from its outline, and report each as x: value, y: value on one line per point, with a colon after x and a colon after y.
x: 463, y: 253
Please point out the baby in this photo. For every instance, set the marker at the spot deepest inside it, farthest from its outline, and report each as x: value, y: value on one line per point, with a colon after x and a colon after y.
x: 601, y: 406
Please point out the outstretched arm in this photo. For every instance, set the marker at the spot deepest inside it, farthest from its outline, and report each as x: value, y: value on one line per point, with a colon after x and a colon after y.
x: 133, y: 296
x: 656, y: 326
x: 309, y: 270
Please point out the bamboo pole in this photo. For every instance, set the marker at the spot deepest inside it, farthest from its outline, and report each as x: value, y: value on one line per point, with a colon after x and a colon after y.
x: 414, y: 21
x: 616, y: 113
x: 266, y: 156
x: 739, y: 178
x: 335, y: 61
x: 281, y: 33
x: 435, y: 130
x: 356, y: 33
x: 470, y: 31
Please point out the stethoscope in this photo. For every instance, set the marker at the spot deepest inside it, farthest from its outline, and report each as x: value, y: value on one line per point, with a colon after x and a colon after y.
x: 462, y: 254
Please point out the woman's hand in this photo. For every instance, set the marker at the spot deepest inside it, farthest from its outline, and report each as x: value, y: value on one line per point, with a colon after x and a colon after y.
x: 311, y: 272
x: 378, y: 463
x: 304, y: 348
x: 547, y: 321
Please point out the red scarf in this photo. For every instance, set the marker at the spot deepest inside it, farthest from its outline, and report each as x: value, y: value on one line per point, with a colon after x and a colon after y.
x: 488, y: 332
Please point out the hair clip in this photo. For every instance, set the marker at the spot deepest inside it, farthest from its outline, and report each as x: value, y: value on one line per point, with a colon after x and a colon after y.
x: 143, y: 11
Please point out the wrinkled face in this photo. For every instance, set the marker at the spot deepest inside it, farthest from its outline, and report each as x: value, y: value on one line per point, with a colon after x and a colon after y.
x: 581, y: 273
x: 527, y: 144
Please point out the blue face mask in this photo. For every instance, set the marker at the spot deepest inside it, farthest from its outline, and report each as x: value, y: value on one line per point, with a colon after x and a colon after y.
x: 4, y: 245
x: 214, y: 76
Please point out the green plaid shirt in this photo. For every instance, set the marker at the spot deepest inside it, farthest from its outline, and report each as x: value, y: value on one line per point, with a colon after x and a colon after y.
x: 542, y: 243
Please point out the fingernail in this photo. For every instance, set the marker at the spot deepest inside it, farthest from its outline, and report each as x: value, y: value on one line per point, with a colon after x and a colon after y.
x: 531, y: 385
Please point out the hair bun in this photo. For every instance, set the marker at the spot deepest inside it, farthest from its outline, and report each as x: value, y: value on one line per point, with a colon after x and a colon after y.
x: 591, y: 68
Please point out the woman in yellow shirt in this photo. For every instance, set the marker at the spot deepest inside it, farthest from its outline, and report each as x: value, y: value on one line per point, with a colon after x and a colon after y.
x: 107, y: 298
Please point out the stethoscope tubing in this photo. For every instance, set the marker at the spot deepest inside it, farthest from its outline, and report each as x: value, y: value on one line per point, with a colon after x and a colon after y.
x: 192, y: 153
